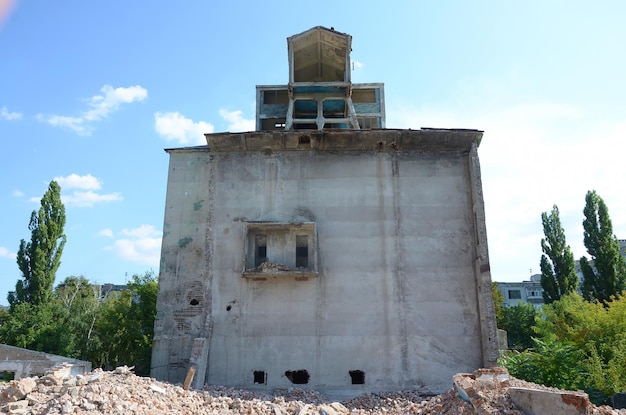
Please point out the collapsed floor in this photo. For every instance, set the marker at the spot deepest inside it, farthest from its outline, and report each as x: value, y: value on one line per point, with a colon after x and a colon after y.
x: 122, y: 392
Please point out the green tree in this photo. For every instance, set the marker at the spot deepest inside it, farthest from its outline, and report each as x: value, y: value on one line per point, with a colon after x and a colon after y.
x: 81, y: 300
x: 605, y: 275
x: 39, y: 327
x: 498, y: 300
x: 558, y: 269
x: 39, y: 259
x: 598, y: 331
x: 519, y: 323
x: 549, y: 362
x: 125, y: 326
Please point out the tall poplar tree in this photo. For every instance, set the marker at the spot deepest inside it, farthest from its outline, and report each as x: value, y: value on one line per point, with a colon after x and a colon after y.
x: 605, y: 275
x: 558, y: 269
x: 40, y: 258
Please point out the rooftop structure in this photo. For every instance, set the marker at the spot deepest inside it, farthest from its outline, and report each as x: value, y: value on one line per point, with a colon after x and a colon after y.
x: 320, y: 93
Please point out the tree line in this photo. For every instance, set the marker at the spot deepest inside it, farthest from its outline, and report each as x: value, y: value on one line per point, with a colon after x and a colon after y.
x: 75, y: 318
x: 577, y: 339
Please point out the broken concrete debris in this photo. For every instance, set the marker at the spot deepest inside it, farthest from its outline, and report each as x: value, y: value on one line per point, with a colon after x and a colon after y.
x: 486, y: 391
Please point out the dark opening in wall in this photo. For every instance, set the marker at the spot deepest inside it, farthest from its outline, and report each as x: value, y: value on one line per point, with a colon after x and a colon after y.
x: 298, y: 377
x: 357, y: 376
x: 260, y: 377
x: 302, y: 251
x: 6, y: 376
x: 194, y: 302
x: 260, y: 252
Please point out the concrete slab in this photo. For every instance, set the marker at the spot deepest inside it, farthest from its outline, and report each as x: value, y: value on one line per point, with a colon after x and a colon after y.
x: 25, y: 363
x: 543, y: 402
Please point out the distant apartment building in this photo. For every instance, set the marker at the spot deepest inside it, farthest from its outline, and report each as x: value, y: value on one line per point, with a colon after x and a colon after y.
x: 525, y: 291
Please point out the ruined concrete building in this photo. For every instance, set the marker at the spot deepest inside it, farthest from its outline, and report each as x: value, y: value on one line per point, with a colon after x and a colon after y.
x: 323, y: 250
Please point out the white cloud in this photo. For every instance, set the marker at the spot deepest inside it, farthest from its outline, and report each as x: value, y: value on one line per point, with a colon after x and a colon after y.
x: 9, y: 116
x: 85, y: 193
x: 74, y: 181
x: 236, y: 121
x: 143, y: 245
x: 532, y: 156
x: 18, y: 193
x: 75, y: 124
x: 111, y: 99
x: 5, y: 253
x: 100, y: 107
x: 174, y: 126
x: 88, y: 198
x: 356, y: 65
x: 106, y: 232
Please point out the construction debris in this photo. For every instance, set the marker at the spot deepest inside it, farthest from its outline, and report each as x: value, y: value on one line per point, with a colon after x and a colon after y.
x: 122, y: 392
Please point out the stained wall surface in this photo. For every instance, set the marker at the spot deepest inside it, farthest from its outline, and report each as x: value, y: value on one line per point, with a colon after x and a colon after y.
x: 396, y: 289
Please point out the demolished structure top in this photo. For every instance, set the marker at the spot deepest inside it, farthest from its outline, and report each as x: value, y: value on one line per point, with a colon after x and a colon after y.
x: 320, y: 94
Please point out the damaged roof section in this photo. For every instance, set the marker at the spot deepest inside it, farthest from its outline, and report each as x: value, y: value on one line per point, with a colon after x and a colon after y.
x: 349, y: 140
x: 319, y: 55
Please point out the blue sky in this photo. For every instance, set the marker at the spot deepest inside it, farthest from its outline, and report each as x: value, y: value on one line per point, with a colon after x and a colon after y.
x: 91, y: 92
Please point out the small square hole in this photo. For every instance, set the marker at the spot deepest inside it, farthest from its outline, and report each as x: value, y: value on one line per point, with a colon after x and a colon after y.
x: 260, y: 378
x: 357, y: 376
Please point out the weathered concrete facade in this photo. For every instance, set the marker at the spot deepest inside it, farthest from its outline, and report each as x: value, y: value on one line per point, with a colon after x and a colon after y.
x: 395, y: 291
x: 323, y: 250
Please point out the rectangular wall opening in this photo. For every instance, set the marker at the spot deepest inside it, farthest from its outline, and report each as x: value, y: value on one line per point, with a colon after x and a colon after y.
x: 298, y: 377
x: 260, y: 377
x: 302, y: 251
x: 260, y: 250
x: 6, y: 376
x: 357, y: 376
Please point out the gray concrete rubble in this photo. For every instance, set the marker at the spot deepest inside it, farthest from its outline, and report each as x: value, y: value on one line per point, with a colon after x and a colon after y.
x: 121, y: 392
x: 545, y: 402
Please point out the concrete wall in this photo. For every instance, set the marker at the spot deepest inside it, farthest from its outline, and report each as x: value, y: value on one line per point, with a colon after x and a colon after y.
x: 401, y: 290
x: 25, y: 363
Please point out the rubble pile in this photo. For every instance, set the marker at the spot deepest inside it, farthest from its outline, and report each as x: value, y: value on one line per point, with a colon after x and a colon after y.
x: 122, y: 392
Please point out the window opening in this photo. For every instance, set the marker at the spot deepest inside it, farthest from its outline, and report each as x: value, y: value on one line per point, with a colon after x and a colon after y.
x: 302, y: 251
x: 515, y: 295
x: 334, y: 108
x: 260, y: 251
x: 298, y: 377
x: 260, y: 378
x: 357, y: 376
x: 305, y: 109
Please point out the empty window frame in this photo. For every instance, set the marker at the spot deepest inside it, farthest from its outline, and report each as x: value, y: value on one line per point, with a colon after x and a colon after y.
x: 278, y: 245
